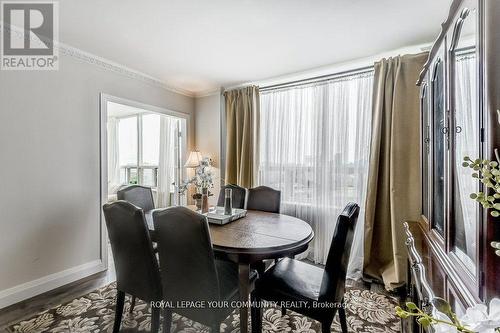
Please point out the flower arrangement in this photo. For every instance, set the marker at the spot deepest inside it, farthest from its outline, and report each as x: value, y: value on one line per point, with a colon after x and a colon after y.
x: 202, y: 180
x: 477, y: 319
x: 488, y: 173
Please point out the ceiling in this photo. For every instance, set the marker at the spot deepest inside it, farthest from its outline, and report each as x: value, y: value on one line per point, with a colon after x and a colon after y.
x: 199, y: 45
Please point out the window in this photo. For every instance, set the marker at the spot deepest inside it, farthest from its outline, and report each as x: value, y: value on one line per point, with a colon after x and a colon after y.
x: 144, y: 146
x: 139, y: 144
x: 314, y: 147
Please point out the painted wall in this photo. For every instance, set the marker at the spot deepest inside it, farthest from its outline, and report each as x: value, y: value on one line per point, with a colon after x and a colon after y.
x: 49, y: 152
x: 207, y: 125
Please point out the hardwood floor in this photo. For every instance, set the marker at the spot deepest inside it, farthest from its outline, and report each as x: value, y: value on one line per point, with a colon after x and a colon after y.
x: 48, y: 300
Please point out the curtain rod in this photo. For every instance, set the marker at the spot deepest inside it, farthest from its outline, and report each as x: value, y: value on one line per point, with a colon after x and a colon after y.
x: 320, y: 78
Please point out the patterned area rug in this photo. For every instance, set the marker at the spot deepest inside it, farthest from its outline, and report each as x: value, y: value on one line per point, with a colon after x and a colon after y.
x: 367, y: 312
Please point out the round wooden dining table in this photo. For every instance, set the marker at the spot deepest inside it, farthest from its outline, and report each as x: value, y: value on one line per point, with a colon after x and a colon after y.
x: 257, y: 236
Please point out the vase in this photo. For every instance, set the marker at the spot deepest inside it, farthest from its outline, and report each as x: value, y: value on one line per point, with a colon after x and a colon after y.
x: 198, y: 204
x: 204, y: 200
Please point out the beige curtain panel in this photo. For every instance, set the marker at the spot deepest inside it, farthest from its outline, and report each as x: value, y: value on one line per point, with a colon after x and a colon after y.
x: 242, y: 119
x: 394, y: 194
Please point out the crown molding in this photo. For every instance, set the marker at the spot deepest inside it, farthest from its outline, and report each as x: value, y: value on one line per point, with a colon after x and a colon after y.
x: 103, y: 63
x: 207, y: 93
x: 117, y: 68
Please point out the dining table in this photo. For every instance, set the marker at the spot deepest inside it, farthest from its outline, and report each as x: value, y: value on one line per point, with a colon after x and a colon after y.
x: 251, y: 239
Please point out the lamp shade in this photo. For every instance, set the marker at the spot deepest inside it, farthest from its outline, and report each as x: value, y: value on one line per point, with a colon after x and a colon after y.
x: 193, y: 160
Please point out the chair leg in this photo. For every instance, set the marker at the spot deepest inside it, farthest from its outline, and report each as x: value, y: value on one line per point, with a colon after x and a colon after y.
x: 261, y: 268
x: 215, y: 328
x: 120, y: 301
x: 343, y: 319
x: 256, y: 314
x: 167, y: 320
x: 155, y: 320
x: 325, y: 326
x: 132, y: 304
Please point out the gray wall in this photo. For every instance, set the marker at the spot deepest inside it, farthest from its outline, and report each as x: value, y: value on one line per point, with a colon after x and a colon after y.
x: 49, y: 151
x: 208, y: 134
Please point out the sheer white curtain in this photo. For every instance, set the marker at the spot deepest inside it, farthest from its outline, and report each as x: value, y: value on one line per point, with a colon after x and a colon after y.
x: 113, y: 155
x: 166, y: 164
x: 467, y: 144
x: 314, y: 147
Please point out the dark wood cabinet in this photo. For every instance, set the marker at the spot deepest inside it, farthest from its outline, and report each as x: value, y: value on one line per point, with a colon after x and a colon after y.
x: 460, y: 93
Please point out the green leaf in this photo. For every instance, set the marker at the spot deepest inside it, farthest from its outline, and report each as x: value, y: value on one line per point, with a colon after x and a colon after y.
x: 467, y: 158
x: 493, y: 164
x: 425, y: 322
x: 465, y: 164
x: 494, y: 213
x: 496, y: 206
x: 474, y: 196
x: 475, y: 175
x: 411, y: 306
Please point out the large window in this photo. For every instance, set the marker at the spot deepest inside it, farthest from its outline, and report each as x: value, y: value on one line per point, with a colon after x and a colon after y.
x: 314, y: 147
x: 139, y: 142
x: 144, y: 148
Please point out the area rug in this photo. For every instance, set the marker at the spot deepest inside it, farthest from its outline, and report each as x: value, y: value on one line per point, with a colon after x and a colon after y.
x: 367, y: 312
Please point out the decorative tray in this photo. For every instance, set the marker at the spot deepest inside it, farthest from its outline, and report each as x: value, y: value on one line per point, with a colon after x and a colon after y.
x: 217, y: 216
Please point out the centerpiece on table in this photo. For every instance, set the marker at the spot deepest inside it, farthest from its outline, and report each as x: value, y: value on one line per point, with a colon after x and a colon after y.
x: 203, y: 181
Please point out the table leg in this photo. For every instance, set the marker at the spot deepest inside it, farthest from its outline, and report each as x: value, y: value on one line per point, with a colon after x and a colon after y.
x: 244, y: 276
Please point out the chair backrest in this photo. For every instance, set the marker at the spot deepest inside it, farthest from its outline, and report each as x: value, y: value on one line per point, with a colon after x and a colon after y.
x: 238, y: 194
x: 333, y: 283
x: 136, y: 266
x: 265, y: 199
x: 185, y: 249
x: 138, y: 195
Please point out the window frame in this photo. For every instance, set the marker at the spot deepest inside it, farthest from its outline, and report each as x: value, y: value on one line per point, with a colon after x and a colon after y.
x: 140, y: 166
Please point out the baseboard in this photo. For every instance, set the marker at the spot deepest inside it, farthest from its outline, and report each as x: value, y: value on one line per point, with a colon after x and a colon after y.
x: 39, y: 286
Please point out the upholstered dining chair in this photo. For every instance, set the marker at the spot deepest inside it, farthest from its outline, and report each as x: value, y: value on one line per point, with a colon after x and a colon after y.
x: 137, y: 271
x: 291, y: 280
x: 193, y: 274
x: 142, y: 197
x: 239, y: 195
x: 138, y: 195
x: 265, y: 199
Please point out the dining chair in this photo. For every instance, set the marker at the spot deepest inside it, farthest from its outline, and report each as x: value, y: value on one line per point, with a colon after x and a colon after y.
x: 138, y: 195
x: 265, y: 199
x: 193, y: 274
x: 291, y: 280
x: 142, y: 197
x: 137, y: 271
x: 238, y: 195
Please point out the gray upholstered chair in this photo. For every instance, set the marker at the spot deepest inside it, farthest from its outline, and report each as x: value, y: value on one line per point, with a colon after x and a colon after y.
x: 138, y: 195
x: 238, y: 195
x: 192, y: 273
x: 137, y: 271
x: 142, y: 197
x: 265, y: 199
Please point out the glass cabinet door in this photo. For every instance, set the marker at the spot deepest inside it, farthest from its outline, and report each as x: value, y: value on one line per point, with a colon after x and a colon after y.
x: 439, y: 133
x: 465, y: 136
x: 424, y: 107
